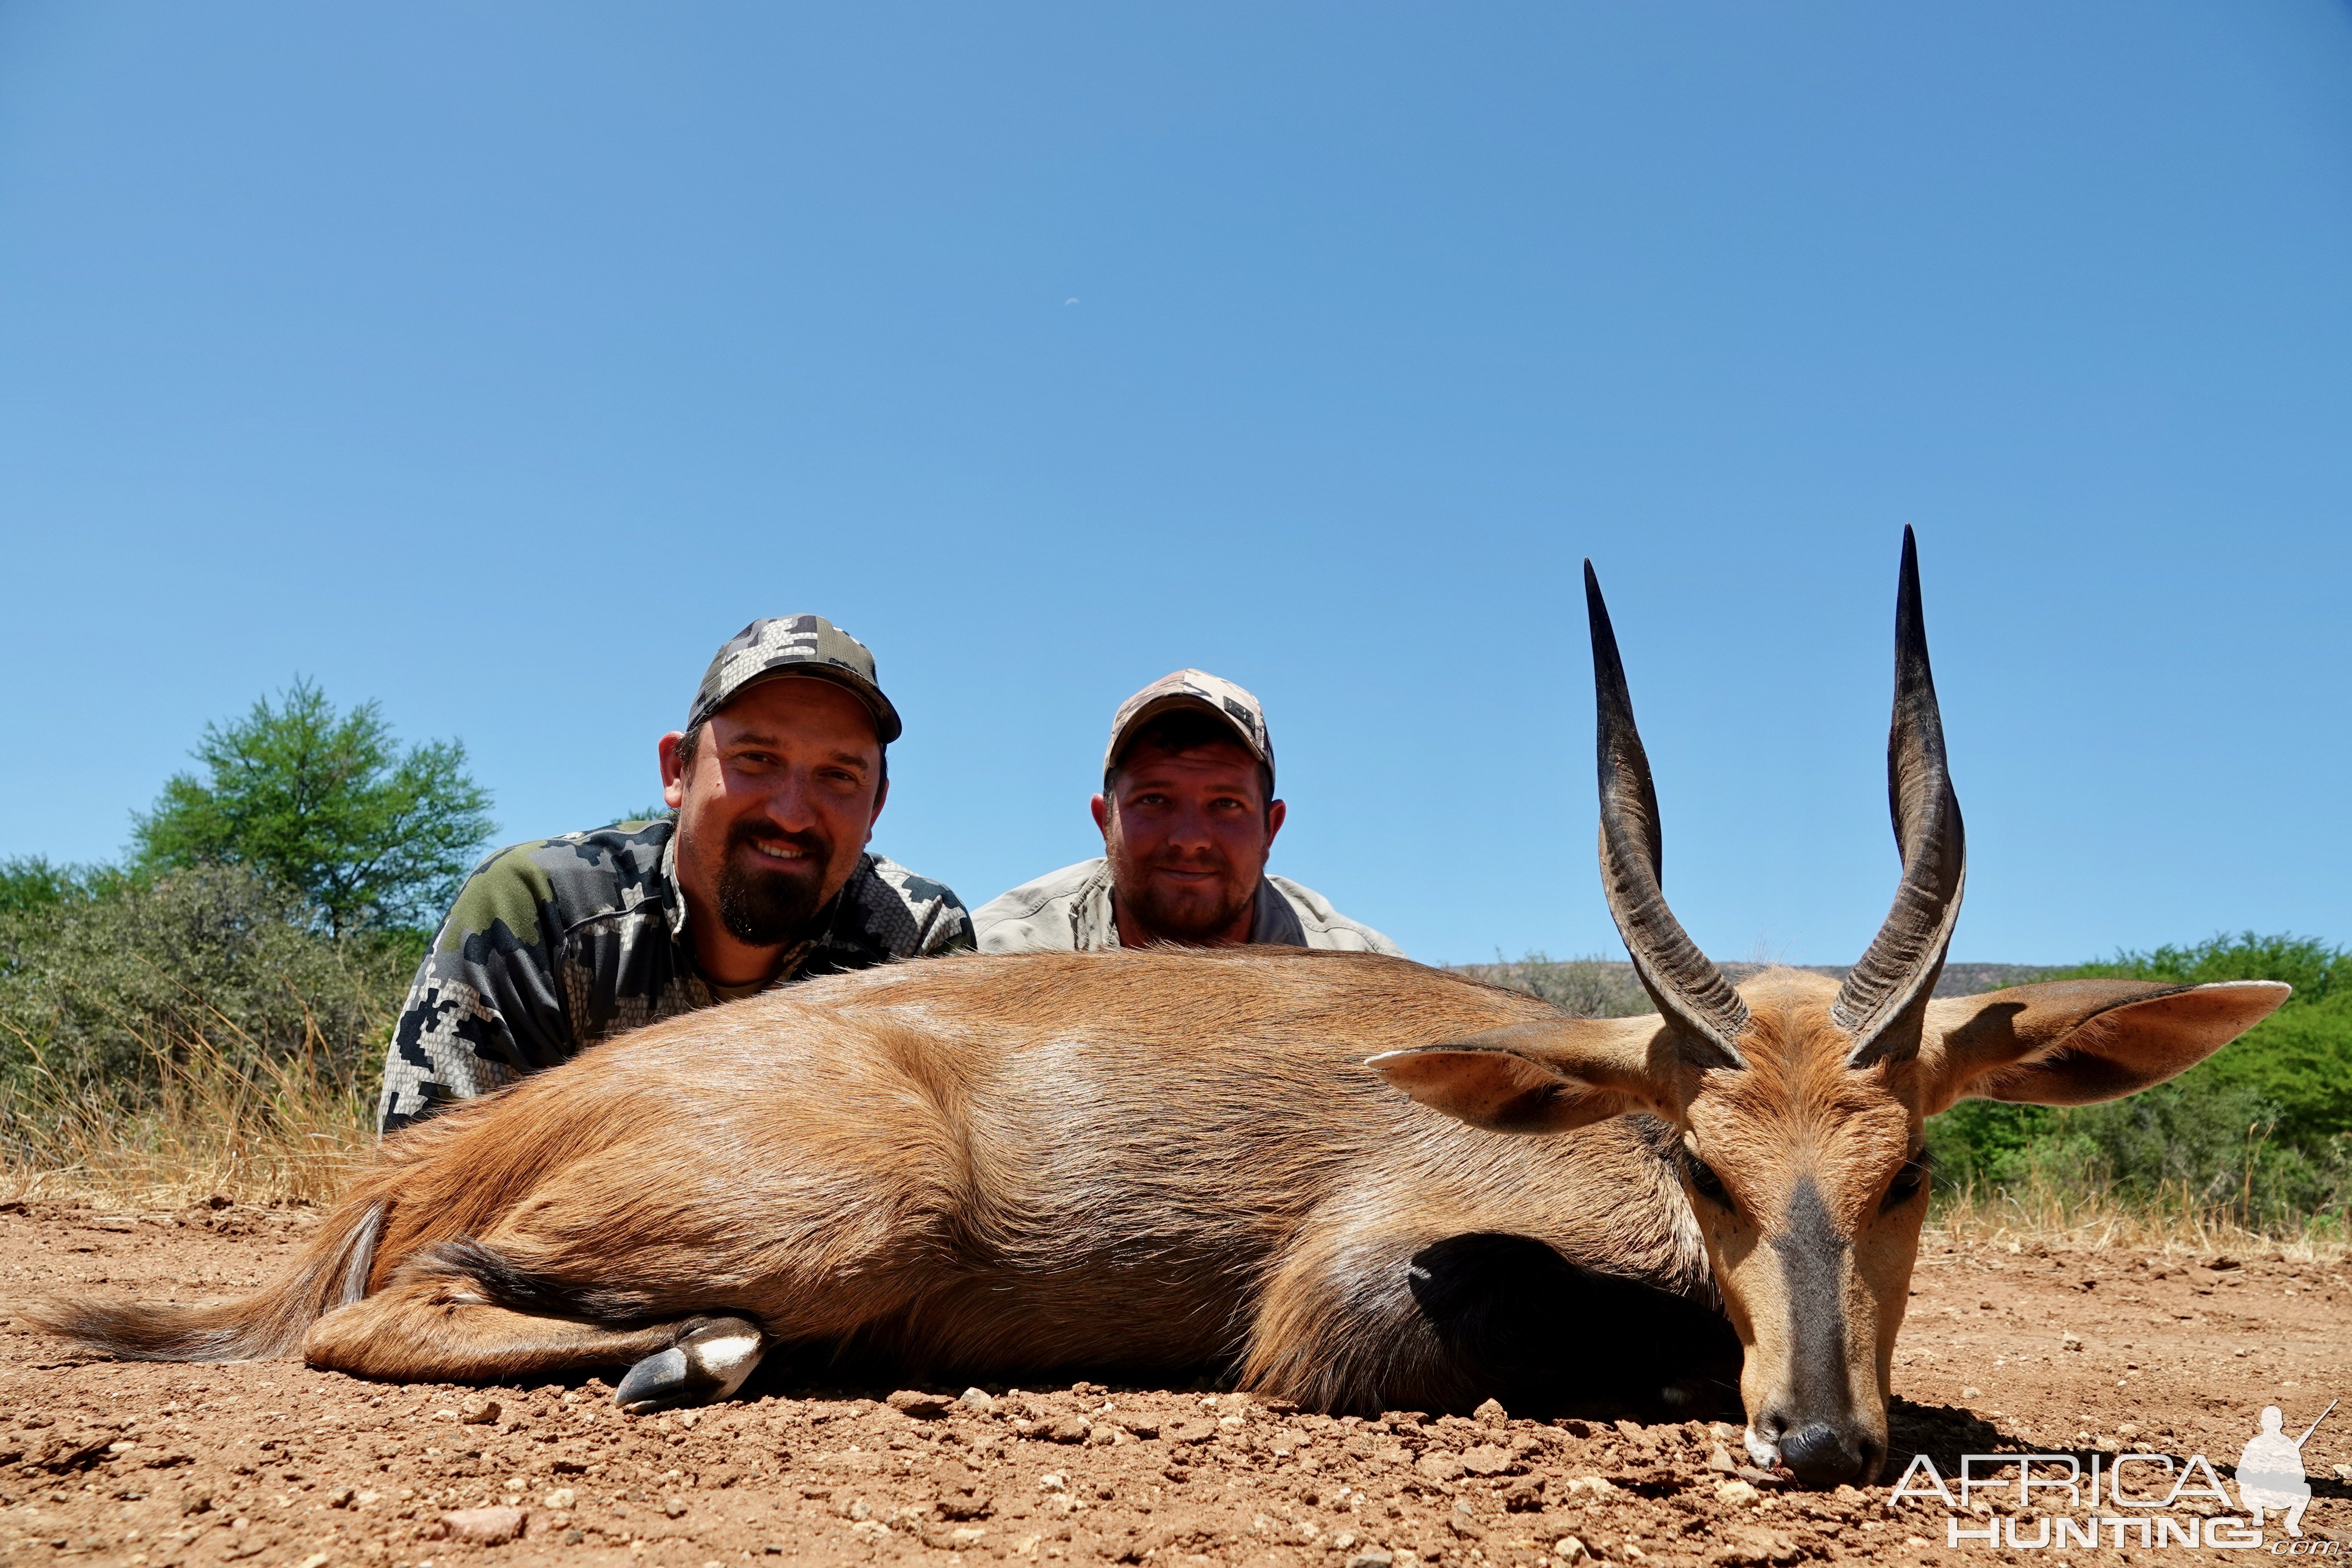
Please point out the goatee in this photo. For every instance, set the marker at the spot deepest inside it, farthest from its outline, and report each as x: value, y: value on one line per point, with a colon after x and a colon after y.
x: 772, y: 903
x: 1186, y: 920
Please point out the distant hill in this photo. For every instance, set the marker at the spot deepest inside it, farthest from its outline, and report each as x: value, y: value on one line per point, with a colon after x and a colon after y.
x: 1605, y: 988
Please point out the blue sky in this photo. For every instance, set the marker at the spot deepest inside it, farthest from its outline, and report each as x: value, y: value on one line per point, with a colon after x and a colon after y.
x: 497, y: 363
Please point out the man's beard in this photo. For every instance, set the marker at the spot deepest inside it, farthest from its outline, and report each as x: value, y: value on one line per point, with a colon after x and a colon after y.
x: 1185, y: 920
x: 771, y: 903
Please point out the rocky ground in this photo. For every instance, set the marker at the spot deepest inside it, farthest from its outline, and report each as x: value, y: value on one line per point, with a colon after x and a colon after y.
x: 2007, y: 1349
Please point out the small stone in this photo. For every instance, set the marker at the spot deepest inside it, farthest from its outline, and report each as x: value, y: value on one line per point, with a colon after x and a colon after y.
x: 1065, y: 1429
x: 1144, y: 1427
x: 1054, y: 1481
x: 1523, y: 1494
x: 1102, y: 1436
x: 1439, y: 1466
x: 480, y: 1412
x: 1971, y: 1392
x: 1373, y: 1557
x: 919, y: 1405
x: 1719, y: 1459
x: 1569, y: 1549
x: 1738, y: 1494
x: 1485, y: 1459
x: 196, y: 1502
x: 2072, y: 1341
x: 1490, y: 1413
x: 316, y: 1559
x: 976, y: 1402
x: 675, y: 1507
x: 561, y: 1499
x: 341, y: 1497
x: 484, y: 1526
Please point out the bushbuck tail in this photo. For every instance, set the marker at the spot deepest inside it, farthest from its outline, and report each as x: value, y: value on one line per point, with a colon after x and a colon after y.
x: 1168, y: 1160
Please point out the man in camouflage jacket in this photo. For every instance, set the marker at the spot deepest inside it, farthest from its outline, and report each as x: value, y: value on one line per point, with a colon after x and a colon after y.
x: 759, y: 879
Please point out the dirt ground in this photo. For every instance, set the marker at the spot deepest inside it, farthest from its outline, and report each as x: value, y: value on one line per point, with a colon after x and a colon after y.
x: 2006, y: 1349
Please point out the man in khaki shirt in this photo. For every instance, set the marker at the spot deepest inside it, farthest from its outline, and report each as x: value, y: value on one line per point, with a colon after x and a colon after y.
x: 1188, y: 817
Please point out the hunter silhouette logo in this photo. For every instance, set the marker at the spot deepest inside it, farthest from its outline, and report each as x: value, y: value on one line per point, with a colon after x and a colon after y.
x: 2126, y: 1497
x: 2270, y: 1472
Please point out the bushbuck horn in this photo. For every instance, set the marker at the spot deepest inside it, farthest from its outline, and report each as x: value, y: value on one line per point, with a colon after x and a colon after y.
x: 1683, y: 980
x: 1901, y: 967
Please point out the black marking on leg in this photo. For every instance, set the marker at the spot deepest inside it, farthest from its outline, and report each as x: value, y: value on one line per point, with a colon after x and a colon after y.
x: 504, y: 1282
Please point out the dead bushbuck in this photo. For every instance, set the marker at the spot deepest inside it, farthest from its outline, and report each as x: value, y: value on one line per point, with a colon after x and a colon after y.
x: 1166, y: 1160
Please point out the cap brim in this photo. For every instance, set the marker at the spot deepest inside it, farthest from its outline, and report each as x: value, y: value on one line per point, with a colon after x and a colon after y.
x: 887, y: 727
x: 1169, y: 703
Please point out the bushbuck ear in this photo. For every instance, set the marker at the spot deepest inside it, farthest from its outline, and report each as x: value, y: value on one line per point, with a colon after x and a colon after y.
x: 1537, y: 1077
x: 2075, y: 1042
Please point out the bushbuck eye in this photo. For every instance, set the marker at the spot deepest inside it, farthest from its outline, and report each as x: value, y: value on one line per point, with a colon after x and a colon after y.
x: 1705, y: 1182
x: 1906, y: 1184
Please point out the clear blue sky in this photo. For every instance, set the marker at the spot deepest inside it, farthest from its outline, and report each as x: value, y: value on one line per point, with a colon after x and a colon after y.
x: 497, y: 362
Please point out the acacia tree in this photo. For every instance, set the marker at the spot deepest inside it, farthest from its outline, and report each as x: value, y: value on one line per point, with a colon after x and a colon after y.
x: 327, y: 805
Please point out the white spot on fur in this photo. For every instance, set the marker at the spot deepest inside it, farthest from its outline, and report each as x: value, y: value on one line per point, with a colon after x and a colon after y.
x: 1766, y: 1455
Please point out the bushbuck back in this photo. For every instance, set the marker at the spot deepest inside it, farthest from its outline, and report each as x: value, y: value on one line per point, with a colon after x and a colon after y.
x: 1171, y: 1161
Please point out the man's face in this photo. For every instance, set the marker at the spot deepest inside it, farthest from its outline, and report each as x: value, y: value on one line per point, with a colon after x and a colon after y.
x: 1188, y: 834
x: 776, y: 806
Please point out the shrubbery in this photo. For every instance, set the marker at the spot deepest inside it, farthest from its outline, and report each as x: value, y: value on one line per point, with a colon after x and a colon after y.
x: 215, y: 1010
x: 2262, y: 1130
x: 117, y: 973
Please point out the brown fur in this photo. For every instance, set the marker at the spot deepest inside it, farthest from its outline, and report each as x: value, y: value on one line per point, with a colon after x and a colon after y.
x: 1140, y: 1159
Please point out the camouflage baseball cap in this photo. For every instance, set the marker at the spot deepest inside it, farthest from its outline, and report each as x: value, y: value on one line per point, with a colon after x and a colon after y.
x: 1241, y: 712
x: 807, y: 646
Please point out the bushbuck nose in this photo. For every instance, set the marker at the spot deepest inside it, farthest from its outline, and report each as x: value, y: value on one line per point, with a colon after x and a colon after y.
x: 1821, y: 1456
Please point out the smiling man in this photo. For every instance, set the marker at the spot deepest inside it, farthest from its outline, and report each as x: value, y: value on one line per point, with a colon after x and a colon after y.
x: 1188, y: 818
x: 759, y: 879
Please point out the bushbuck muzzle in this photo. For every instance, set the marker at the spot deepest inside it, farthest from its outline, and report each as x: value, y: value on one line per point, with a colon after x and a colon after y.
x: 1166, y: 1163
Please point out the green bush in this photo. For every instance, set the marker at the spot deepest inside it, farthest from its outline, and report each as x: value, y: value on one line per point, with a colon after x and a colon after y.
x: 2262, y: 1130
x: 114, y: 975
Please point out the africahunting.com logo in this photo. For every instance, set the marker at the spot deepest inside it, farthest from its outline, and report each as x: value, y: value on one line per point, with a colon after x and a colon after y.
x: 2032, y: 1502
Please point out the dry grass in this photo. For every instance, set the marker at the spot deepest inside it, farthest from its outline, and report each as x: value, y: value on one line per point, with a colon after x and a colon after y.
x: 256, y: 1128
x: 2041, y: 1212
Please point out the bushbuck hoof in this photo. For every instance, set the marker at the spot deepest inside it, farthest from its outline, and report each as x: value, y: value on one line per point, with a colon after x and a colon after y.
x: 710, y: 1359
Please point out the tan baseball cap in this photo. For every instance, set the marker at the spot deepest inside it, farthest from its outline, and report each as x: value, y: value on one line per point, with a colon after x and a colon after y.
x: 1241, y: 712
x: 807, y: 646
